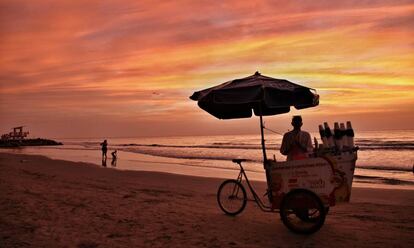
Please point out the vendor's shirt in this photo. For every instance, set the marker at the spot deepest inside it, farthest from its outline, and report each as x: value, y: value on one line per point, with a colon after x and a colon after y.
x: 290, y: 147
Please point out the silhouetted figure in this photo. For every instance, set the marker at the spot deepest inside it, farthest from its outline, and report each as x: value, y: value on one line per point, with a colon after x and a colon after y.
x: 296, y: 144
x: 104, y: 149
x: 114, y: 157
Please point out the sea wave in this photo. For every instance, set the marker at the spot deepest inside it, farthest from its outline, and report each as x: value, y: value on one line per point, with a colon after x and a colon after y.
x: 258, y: 161
x: 384, y: 168
x: 214, y: 146
x: 368, y: 144
x: 362, y: 146
x: 185, y: 156
x: 382, y: 180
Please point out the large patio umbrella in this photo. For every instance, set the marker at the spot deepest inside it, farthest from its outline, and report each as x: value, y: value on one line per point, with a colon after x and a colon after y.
x: 264, y: 95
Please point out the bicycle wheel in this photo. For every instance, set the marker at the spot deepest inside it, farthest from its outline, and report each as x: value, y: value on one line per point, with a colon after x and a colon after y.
x: 302, y: 212
x: 231, y: 197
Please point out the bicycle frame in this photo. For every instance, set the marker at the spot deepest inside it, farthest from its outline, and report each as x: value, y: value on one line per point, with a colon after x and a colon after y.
x: 257, y: 199
x: 259, y: 202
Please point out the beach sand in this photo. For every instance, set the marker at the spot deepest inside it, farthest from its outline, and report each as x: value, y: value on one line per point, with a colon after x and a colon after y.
x: 55, y: 203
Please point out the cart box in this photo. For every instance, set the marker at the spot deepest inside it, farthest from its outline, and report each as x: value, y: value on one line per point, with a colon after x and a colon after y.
x: 329, y: 177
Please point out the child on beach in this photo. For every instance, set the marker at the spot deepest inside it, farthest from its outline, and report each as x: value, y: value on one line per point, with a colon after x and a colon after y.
x: 114, y: 157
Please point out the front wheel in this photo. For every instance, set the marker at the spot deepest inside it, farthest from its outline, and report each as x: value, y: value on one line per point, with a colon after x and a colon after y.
x: 302, y: 212
x: 231, y: 197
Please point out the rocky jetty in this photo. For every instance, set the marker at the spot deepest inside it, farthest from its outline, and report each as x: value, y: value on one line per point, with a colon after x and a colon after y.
x: 28, y: 142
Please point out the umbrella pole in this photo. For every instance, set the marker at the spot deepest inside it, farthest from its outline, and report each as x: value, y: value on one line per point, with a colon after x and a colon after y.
x: 267, y: 169
x: 263, y: 140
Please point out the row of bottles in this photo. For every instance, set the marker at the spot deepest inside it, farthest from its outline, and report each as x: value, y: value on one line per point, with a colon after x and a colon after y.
x: 342, y: 137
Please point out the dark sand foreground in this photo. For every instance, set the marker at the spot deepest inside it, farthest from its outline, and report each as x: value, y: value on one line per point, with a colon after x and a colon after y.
x: 54, y: 203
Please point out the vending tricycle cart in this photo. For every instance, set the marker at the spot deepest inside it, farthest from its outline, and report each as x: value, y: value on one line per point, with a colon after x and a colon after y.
x: 302, y: 190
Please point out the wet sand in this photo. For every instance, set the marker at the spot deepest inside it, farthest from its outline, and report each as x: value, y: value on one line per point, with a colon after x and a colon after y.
x: 56, y: 203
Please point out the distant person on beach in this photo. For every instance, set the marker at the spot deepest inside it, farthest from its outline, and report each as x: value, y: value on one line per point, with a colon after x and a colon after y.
x: 114, y: 157
x: 296, y: 144
x: 104, y: 149
x: 114, y: 154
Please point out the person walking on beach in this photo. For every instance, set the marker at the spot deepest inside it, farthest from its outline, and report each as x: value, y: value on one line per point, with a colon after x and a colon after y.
x: 296, y: 144
x: 104, y: 149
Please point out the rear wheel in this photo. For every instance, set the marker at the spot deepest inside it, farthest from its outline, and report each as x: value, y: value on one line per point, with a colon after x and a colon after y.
x: 302, y: 212
x: 231, y: 197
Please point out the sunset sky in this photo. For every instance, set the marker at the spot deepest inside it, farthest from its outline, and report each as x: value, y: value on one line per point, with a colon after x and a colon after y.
x: 107, y: 68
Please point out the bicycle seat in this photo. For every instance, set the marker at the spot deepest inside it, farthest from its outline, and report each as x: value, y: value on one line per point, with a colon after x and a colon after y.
x: 238, y: 160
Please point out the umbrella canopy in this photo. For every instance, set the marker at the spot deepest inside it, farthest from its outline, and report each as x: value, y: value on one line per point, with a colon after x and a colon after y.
x: 264, y: 95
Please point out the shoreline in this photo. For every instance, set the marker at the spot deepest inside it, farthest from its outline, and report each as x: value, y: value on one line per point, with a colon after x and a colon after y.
x: 144, y: 162
x: 57, y: 203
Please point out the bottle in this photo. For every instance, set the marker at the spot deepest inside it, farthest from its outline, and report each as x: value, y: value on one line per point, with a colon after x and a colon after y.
x: 315, y: 143
x: 323, y: 137
x: 350, y: 134
x: 328, y: 135
x: 344, y: 138
x: 338, y: 137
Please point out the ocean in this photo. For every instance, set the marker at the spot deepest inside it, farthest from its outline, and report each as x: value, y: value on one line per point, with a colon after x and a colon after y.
x: 385, y: 158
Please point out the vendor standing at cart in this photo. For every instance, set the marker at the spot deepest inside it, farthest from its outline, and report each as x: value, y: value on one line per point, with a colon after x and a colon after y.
x: 296, y: 144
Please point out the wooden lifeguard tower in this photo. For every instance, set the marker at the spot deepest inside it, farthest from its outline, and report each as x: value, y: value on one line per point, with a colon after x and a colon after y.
x: 17, y: 134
